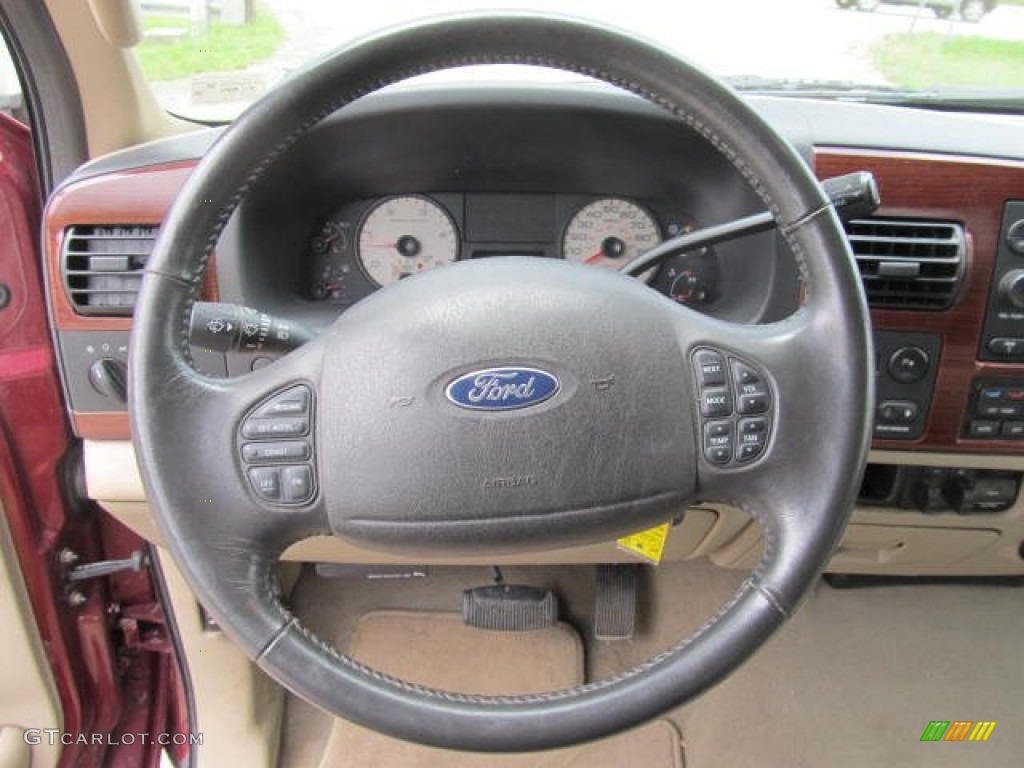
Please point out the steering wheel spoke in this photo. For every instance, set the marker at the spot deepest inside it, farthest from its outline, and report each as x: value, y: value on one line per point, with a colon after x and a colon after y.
x: 770, y: 398
x: 207, y: 444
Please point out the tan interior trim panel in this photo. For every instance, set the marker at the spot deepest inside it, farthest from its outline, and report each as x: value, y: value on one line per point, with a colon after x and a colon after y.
x: 238, y: 708
x: 28, y: 696
x: 879, y: 540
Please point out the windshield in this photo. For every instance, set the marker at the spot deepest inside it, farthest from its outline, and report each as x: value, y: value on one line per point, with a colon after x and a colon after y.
x: 209, y: 58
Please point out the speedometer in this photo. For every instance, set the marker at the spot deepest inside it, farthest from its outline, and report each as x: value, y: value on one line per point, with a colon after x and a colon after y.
x: 610, y: 233
x: 404, y: 235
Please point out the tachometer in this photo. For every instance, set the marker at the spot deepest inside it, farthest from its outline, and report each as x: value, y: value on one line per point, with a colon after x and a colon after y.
x: 609, y: 233
x: 404, y: 235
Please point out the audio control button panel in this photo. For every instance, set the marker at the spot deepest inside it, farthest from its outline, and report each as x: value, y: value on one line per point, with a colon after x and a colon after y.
x: 735, y: 404
x: 1003, y: 337
x: 275, y: 444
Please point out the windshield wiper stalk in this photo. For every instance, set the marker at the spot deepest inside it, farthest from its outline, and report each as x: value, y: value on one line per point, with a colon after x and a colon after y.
x: 853, y: 195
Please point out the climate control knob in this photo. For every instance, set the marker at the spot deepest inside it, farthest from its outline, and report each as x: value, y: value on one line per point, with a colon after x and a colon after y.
x: 1011, y: 288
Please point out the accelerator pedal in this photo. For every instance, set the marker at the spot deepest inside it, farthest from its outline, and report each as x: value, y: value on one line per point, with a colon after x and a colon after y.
x: 509, y: 608
x: 615, y: 601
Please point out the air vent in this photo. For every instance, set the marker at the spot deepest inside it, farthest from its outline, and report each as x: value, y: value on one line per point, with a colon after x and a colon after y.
x: 102, y: 266
x: 908, y: 264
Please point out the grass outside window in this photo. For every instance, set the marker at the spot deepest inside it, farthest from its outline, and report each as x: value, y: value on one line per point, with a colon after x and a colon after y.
x: 225, y: 47
x: 921, y: 61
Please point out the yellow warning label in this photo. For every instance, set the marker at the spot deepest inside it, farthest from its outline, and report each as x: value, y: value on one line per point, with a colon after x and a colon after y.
x: 648, y: 545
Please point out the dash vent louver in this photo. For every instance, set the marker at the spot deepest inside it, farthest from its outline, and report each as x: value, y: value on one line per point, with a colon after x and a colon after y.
x: 102, y: 266
x: 914, y: 264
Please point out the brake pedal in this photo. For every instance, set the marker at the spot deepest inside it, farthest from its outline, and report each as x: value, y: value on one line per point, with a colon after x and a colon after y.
x: 616, y: 601
x: 509, y: 608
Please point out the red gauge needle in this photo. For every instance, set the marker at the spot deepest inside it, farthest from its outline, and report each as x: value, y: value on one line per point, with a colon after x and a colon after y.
x: 595, y: 257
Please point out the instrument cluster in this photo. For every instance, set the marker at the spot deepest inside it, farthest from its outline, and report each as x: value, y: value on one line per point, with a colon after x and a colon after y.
x: 369, y: 244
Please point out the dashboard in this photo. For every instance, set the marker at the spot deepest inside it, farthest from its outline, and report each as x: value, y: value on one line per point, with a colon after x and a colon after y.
x: 423, y: 178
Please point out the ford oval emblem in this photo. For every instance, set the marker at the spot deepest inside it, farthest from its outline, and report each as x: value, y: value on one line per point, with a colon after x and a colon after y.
x: 502, y: 389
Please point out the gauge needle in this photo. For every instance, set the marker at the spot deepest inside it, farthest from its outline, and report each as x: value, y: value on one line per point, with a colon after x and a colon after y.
x: 379, y: 245
x: 595, y: 257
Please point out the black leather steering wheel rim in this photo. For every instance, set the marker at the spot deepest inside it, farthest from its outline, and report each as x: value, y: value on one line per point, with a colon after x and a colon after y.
x: 800, y: 492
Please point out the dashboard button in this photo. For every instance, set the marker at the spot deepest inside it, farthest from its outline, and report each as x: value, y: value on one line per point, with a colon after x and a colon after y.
x: 291, y: 451
x: 898, y: 412
x: 710, y: 368
x: 1005, y: 347
x: 992, y: 394
x: 1015, y: 237
x: 908, y: 364
x: 715, y: 401
x: 999, y: 410
x: 1013, y: 430
x: 983, y: 429
x: 298, y: 483
x: 266, y: 481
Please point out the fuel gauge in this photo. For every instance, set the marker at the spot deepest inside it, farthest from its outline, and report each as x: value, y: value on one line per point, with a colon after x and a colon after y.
x: 690, y: 278
x: 331, y: 250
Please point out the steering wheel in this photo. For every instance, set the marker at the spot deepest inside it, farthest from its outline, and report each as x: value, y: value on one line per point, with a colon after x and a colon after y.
x: 508, y: 404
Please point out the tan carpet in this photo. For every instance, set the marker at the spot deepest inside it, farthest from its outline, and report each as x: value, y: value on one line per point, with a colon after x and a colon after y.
x: 850, y: 682
x: 438, y: 650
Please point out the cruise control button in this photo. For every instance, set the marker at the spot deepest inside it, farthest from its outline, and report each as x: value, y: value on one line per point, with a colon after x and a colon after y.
x: 298, y: 483
x: 710, y: 368
x: 293, y: 402
x: 274, y: 427
x: 266, y: 481
x: 715, y: 402
x: 983, y: 429
x: 292, y: 451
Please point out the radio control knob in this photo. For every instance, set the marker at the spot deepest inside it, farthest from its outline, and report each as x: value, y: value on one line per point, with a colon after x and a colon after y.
x: 1011, y: 288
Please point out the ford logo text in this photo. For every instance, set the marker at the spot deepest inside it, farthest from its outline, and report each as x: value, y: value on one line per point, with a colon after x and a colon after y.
x: 502, y: 389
